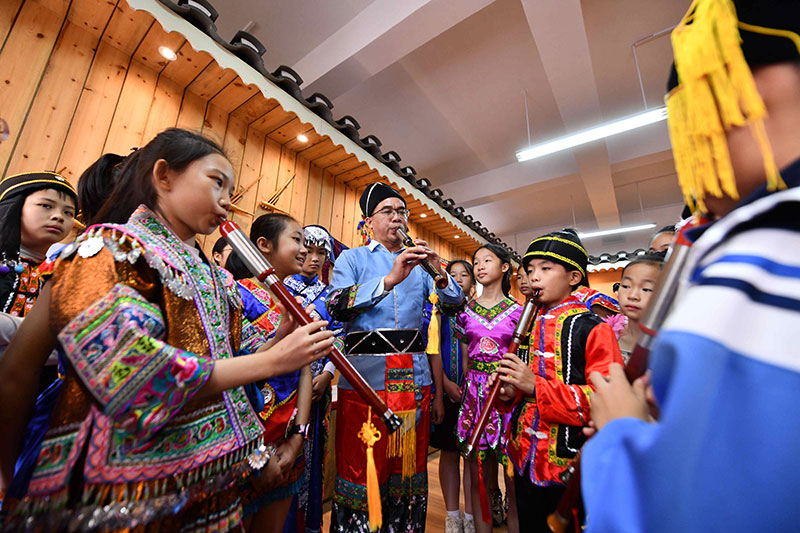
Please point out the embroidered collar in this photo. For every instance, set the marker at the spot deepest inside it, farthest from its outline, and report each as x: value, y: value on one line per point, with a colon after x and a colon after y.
x: 490, y: 317
x: 305, y: 287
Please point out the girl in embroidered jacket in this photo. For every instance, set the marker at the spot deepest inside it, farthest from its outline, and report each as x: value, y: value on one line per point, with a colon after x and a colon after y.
x: 152, y: 427
x: 285, y: 399
x: 486, y: 327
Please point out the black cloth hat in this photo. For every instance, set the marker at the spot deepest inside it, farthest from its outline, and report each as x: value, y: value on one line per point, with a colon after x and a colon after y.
x: 760, y: 49
x: 563, y: 247
x: 27, y: 182
x: 374, y: 194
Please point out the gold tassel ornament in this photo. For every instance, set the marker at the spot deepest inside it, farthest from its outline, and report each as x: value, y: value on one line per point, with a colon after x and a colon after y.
x: 433, y: 327
x: 403, y: 443
x: 716, y: 93
x: 370, y: 434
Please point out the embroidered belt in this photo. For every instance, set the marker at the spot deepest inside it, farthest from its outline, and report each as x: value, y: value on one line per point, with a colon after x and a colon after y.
x: 384, y: 341
x: 483, y: 366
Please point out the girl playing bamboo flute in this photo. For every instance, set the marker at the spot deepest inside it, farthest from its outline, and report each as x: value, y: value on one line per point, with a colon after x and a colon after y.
x: 153, y: 428
x: 486, y: 327
x: 285, y: 400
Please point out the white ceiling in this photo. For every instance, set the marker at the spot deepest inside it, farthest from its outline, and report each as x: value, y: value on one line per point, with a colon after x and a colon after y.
x: 442, y: 83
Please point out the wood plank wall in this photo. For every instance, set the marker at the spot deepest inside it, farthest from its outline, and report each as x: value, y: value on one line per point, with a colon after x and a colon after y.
x: 84, y: 77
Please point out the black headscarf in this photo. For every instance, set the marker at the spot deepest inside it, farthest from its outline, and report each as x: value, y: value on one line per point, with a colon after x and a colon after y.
x: 374, y: 194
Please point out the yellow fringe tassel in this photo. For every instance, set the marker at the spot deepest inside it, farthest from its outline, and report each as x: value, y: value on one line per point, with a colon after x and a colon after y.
x: 716, y: 93
x: 403, y: 443
x: 433, y: 327
x: 370, y: 434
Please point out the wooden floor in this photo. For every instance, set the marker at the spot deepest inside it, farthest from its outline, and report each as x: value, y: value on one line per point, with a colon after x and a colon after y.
x: 436, y: 509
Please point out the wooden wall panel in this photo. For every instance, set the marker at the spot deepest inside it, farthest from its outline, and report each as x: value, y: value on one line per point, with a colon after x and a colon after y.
x: 164, y: 109
x: 98, y: 100
x: 350, y: 204
x: 130, y: 116
x: 326, y: 198
x: 147, y: 53
x: 270, y: 162
x: 8, y: 14
x: 249, y: 177
x: 126, y: 28
x: 286, y: 169
x: 49, y: 118
x: 91, y: 80
x: 33, y: 38
x: 337, y: 216
x: 311, y: 213
x: 235, y: 138
x: 297, y: 205
x: 188, y: 66
x: 92, y: 15
x: 215, y: 123
x: 193, y: 110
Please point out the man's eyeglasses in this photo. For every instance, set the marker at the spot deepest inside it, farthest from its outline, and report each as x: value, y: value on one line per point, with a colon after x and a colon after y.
x: 389, y: 212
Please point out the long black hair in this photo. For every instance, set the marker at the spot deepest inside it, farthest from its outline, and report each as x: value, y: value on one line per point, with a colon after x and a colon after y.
x: 505, y: 258
x: 269, y: 226
x: 236, y: 267
x: 135, y: 185
x: 96, y: 184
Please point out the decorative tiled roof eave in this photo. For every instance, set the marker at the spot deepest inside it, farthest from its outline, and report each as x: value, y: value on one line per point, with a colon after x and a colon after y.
x: 605, y: 262
x: 202, y: 42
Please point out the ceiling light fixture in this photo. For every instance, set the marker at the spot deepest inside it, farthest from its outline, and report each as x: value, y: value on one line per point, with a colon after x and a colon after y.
x: 423, y: 215
x: 614, y: 231
x: 592, y: 134
x: 456, y: 236
x: 302, y: 138
x: 167, y: 53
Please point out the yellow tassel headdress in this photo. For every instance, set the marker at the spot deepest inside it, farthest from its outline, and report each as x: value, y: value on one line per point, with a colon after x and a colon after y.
x: 716, y: 92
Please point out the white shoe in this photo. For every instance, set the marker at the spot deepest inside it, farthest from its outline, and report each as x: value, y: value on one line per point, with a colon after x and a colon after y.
x: 469, y: 526
x: 453, y: 524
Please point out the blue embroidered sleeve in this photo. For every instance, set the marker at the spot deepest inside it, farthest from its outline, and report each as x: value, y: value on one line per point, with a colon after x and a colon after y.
x: 116, y: 349
x: 347, y: 298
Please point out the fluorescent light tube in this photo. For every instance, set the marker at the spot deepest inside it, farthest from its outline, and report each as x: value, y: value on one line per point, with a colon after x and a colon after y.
x: 593, y: 134
x: 613, y: 231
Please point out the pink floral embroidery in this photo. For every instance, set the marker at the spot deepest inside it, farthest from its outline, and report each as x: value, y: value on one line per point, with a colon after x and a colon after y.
x: 488, y: 346
x: 186, y: 369
x: 617, y: 323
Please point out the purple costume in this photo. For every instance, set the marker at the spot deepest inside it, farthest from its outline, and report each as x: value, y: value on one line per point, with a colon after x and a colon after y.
x: 487, y: 333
